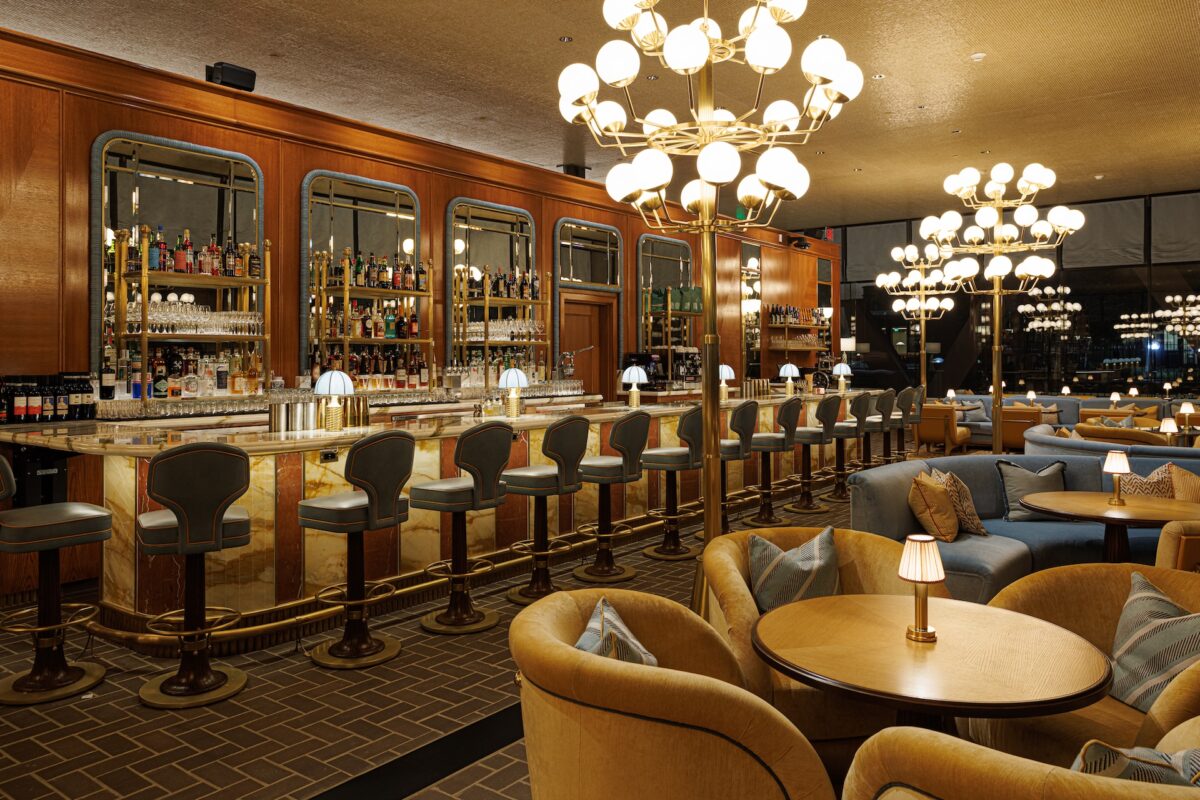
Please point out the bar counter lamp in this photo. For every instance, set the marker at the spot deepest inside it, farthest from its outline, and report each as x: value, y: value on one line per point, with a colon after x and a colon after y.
x: 1167, y: 389
x: 1169, y: 428
x: 333, y: 384
x: 1116, y: 464
x: 921, y: 565
x: 789, y: 371
x: 726, y: 375
x: 514, y: 380
x: 633, y: 376
x: 842, y: 371
x: 1113, y: 399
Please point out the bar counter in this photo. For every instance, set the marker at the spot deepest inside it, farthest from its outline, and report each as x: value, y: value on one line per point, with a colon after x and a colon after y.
x: 285, y: 563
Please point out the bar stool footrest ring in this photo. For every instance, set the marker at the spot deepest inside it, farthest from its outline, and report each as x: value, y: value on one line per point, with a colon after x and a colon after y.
x: 170, y: 623
x: 525, y: 547
x: 444, y: 569
x: 335, y: 595
x: 79, y: 614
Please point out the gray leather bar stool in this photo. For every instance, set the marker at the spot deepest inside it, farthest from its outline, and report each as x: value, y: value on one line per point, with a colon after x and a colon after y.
x: 742, y: 421
x: 901, y: 419
x: 880, y: 421
x: 197, y: 484
x: 482, y: 453
x: 914, y: 419
x: 671, y: 461
x: 45, y: 530
x: 628, y: 437
x: 859, y: 409
x: 779, y: 441
x: 565, y: 442
x: 866, y: 452
x: 380, y: 465
x: 806, y: 437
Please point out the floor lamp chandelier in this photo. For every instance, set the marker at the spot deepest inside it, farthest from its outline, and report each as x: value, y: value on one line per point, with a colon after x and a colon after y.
x: 994, y: 238
x: 920, y: 293
x: 721, y: 141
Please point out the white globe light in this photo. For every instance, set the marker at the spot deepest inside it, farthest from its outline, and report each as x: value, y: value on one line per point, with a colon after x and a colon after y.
x: 750, y: 191
x: 459, y: 247
x: 973, y: 234
x: 653, y: 169
x: 993, y: 189
x: 1076, y: 220
x: 931, y: 304
x: 822, y: 60
x: 408, y: 246
x: 755, y: 18
x: 847, y: 83
x: 723, y: 115
x: 709, y: 26
x: 913, y: 304
x: 817, y: 103
x: 931, y: 252
x: 1027, y: 268
x: 968, y: 268
x: 622, y: 183
x: 1059, y: 216
x: 929, y: 226
x: 780, y: 115
x: 1025, y: 216
x: 649, y: 201
x: 649, y: 31
x: 621, y: 14
x: 774, y: 165
x: 1048, y: 177
x: 787, y: 10
x: 893, y: 278
x: 618, y: 63
x: 796, y: 183
x: 897, y: 254
x: 718, y: 163
x: 947, y: 304
x: 970, y: 177
x: 1002, y: 172
x: 578, y: 83
x: 951, y: 221
x: 691, y: 196
x: 987, y: 217
x: 656, y: 119
x: 610, y: 116
x: 686, y: 50
x: 768, y: 49
x: 898, y: 305
x: 571, y: 112
x: 952, y: 184
x: 1042, y: 229
x: 998, y: 267
x: 1025, y: 187
x: 911, y: 253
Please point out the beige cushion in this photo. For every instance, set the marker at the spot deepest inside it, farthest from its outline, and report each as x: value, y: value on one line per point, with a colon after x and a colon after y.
x: 931, y: 505
x: 1156, y: 484
x: 1186, y: 484
x: 963, y: 502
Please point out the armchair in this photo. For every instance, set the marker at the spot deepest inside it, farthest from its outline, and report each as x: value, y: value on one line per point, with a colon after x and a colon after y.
x: 1179, y: 546
x: 939, y: 425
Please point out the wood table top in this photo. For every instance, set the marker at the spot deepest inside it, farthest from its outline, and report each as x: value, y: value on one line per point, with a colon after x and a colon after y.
x: 1093, y: 506
x: 986, y: 662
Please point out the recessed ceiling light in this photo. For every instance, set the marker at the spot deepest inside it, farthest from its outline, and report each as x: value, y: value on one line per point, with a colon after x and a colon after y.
x: 651, y: 77
x: 977, y: 57
x: 984, y: 152
x: 1098, y: 177
x: 956, y: 131
x: 820, y: 152
x: 878, y: 76
x: 566, y: 39
x: 921, y: 107
x: 858, y: 169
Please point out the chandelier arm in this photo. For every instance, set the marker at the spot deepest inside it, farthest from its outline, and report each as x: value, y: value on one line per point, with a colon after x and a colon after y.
x: 762, y: 79
x: 692, y: 99
x: 629, y: 104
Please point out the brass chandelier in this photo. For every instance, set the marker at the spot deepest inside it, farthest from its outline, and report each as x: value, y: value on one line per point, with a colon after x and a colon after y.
x: 1183, y: 319
x: 1051, y: 311
x: 921, y: 294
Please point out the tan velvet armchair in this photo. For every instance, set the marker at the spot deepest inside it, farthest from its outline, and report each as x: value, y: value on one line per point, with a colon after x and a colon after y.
x: 939, y: 425
x: 1179, y: 546
x: 597, y: 728
x: 1016, y: 422
x: 915, y: 764
x: 1087, y: 599
x: 867, y: 564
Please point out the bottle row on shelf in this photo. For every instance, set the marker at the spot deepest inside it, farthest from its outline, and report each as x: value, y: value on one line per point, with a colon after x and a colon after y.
x: 806, y: 341
x: 512, y: 284
x: 242, y: 261
x: 794, y: 315
x: 385, y: 320
x: 377, y: 273
x: 378, y: 369
x: 476, y: 372
x: 47, y: 398
x: 177, y: 372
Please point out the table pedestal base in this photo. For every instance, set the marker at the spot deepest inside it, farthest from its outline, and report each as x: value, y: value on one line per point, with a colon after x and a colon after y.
x: 1116, y: 543
x: 928, y: 720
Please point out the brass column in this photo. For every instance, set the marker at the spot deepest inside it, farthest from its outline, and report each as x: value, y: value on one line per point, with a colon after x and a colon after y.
x: 997, y: 371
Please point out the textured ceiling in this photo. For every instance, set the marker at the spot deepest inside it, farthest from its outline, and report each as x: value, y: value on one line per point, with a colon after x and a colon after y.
x: 1088, y: 87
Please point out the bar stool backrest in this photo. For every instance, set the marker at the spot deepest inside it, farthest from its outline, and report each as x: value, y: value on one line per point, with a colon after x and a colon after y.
x: 380, y: 465
x: 565, y: 443
x: 8, y: 482
x: 628, y: 437
x: 860, y: 409
x: 691, y: 432
x: 885, y: 402
x: 904, y: 404
x: 918, y: 404
x: 742, y: 421
x: 199, y: 482
x: 483, y: 452
x: 788, y: 417
x: 827, y: 412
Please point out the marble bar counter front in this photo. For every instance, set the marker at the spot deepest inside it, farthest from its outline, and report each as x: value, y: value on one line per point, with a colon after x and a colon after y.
x: 284, y: 565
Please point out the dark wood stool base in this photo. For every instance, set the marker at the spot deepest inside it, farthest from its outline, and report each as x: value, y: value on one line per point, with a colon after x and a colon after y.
x: 442, y: 623
x: 459, y: 616
x: 539, y: 550
x: 659, y: 553
x: 839, y: 494
x: 152, y: 693
x: 385, y: 648
x: 80, y: 676
x: 765, y: 518
x: 806, y: 504
x: 524, y: 596
x: 671, y: 549
x: 604, y: 568
x: 619, y: 574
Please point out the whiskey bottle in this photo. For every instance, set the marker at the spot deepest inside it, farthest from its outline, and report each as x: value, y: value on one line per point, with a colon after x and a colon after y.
x: 372, y: 271
x: 409, y: 276
x: 256, y: 265
x: 414, y: 324
x: 421, y: 280
x: 108, y: 374
x: 378, y: 324
x: 230, y: 258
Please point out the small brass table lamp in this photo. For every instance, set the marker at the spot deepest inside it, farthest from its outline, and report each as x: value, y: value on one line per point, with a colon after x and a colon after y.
x: 842, y: 370
x: 1169, y: 428
x: 514, y: 380
x: 1133, y: 391
x: 333, y: 384
x: 1113, y: 399
x: 725, y: 374
x: 1117, y: 464
x: 1187, y: 409
x: 950, y: 395
x: 789, y: 370
x: 921, y: 564
x: 1066, y: 390
x: 633, y: 376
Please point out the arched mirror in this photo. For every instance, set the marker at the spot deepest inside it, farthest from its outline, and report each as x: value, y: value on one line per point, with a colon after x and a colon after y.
x: 669, y: 309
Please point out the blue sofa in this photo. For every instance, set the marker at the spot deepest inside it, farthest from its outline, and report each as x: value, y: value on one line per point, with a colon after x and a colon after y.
x: 977, y: 567
x: 1040, y: 440
x: 981, y: 432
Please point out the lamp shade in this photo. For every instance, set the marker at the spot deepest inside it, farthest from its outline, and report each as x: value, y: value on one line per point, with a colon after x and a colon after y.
x: 790, y: 371
x: 841, y: 369
x: 921, y: 562
x: 1116, y: 463
x: 950, y: 395
x: 1187, y: 408
x: 1066, y: 390
x: 334, y: 382
x: 1133, y: 391
x: 1031, y: 395
x: 1115, y: 397
x: 1168, y: 425
x: 513, y: 379
x: 634, y: 375
x: 725, y: 373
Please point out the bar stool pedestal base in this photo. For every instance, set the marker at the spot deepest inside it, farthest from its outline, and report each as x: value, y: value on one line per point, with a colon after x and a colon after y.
x: 618, y: 575
x: 432, y: 623
x: 525, y: 595
x: 389, y: 648
x: 811, y: 507
x: 86, y: 674
x: 662, y: 553
x: 151, y: 693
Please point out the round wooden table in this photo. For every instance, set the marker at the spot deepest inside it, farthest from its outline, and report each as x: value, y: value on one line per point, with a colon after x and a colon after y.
x: 1139, y: 511
x: 986, y: 662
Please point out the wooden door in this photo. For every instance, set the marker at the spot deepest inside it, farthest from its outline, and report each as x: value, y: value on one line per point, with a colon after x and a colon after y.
x: 590, y: 320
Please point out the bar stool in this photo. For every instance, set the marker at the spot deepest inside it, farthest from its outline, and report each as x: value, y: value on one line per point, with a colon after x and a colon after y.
x: 860, y: 408
x: 901, y: 419
x: 671, y: 461
x: 565, y: 442
x: 806, y: 437
x: 866, y: 452
x: 482, y: 452
x: 781, y: 441
x: 742, y: 421
x: 880, y: 421
x: 628, y: 437
x: 380, y: 465
x: 914, y: 418
x: 197, y: 484
x: 45, y: 530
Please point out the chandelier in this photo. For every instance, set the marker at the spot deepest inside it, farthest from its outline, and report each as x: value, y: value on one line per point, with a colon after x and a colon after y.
x: 920, y: 293
x: 1184, y: 319
x: 716, y: 137
x: 1137, y: 326
x: 1051, y: 311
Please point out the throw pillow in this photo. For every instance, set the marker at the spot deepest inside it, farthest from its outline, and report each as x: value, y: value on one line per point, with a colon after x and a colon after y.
x: 976, y: 414
x: 1139, y: 764
x: 1018, y: 482
x: 607, y: 635
x: 1186, y: 484
x: 1127, y: 422
x: 963, y: 502
x: 1076, y: 435
x: 1049, y: 414
x: 1156, y: 484
x: 1107, y: 422
x: 1155, y: 641
x: 1063, y: 433
x: 778, y: 577
x: 931, y: 505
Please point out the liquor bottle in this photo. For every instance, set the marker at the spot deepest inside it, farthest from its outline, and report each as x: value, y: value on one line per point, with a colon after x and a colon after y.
x: 62, y: 398
x: 133, y: 253
x: 535, y: 288
x: 397, y: 275
x: 386, y: 274
x: 153, y: 250
x: 15, y: 399
x: 108, y: 374
x: 523, y: 287
x: 158, y: 367
x: 5, y: 391
x: 189, y: 254
x: 256, y: 265
x: 389, y: 322
x: 360, y: 271
x: 237, y: 377
x: 49, y: 399
x: 414, y: 372
x: 410, y: 281
x: 253, y: 376
x: 421, y: 280
x: 422, y: 371
x: 179, y: 258
x: 372, y: 271
x: 379, y: 326
x: 229, y: 258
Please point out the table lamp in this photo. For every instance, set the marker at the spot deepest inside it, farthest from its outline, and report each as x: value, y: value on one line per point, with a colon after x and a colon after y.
x: 842, y: 371
x: 1031, y: 395
x: 333, y: 384
x: 921, y: 565
x: 633, y: 376
x: 950, y: 395
x: 1133, y: 392
x: 726, y: 374
x: 1167, y: 389
x: 514, y: 380
x: 1169, y: 427
x: 1066, y: 390
x: 1116, y: 464
x: 789, y: 371
x: 1113, y: 399
x: 1187, y: 409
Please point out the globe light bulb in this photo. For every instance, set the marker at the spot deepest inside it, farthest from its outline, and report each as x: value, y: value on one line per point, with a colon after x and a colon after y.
x: 952, y: 184
x: 649, y: 201
x: 686, y: 50
x: 1059, y: 217
x: 653, y: 169
x: 847, y: 84
x: 893, y: 278
x: 692, y: 196
x: 1025, y: 215
x: 947, y: 304
x: 755, y: 18
x: 973, y: 234
x: 768, y: 49
x: 773, y: 166
x: 408, y: 247
x: 998, y: 267
x: 784, y: 11
x: 911, y: 253
x: 931, y: 304
x: 913, y: 304
x: 460, y: 247
x: 796, y: 183
x: 723, y: 115
x: 657, y: 119
x: 621, y: 14
x: 822, y: 60
x: 781, y: 115
x: 1041, y: 230
x: 571, y: 112
x: 931, y: 252
x: 987, y: 217
x: 649, y: 31
x: 950, y: 221
x: 618, y: 63
x: 898, y: 305
x: 897, y: 254
x: 1076, y: 220
x: 993, y: 189
x: 578, y: 83
x: 622, y: 183
x: 718, y: 163
x: 969, y: 177
x: 610, y: 116
x: 1002, y: 172
x: 817, y: 103
x: 929, y: 226
x: 968, y: 268
x: 750, y: 191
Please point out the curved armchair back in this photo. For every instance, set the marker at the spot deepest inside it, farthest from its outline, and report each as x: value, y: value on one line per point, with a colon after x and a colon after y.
x: 598, y: 728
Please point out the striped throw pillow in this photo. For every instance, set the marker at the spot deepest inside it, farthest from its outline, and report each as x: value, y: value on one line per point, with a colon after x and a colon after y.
x: 1139, y: 764
x: 607, y: 635
x: 778, y: 577
x: 1155, y: 641
x: 1157, y: 484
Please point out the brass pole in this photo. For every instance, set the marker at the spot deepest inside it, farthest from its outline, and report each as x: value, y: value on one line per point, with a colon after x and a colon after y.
x: 924, y: 385
x: 997, y: 371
